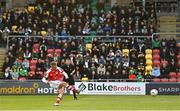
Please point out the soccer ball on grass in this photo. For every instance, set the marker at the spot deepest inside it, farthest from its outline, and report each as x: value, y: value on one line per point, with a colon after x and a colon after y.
x: 154, y: 92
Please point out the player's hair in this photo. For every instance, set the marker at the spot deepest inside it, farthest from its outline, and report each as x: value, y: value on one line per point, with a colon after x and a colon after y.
x: 53, y: 63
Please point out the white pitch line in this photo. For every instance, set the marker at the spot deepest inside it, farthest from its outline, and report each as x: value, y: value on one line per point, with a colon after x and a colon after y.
x: 90, y: 110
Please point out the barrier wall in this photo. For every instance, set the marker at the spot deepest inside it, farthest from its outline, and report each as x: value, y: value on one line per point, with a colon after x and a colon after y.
x: 91, y: 88
x: 164, y: 88
x: 111, y: 88
x: 35, y: 87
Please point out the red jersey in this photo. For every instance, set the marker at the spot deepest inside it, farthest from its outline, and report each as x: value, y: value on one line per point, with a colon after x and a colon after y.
x: 58, y: 74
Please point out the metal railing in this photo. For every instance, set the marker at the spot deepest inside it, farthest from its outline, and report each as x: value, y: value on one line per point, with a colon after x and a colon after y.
x: 111, y: 38
x: 79, y: 80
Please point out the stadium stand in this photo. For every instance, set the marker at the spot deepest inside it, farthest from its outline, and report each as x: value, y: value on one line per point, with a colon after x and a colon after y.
x: 94, y: 57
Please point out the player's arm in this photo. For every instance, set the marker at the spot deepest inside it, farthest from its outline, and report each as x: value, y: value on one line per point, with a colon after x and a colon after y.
x: 64, y: 73
x: 74, y: 70
x: 44, y: 79
x: 72, y: 73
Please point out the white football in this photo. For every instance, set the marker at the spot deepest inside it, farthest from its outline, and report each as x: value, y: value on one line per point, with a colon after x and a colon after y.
x: 154, y: 92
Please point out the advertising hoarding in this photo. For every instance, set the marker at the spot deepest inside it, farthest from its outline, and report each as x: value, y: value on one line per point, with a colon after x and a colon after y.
x: 111, y: 88
x: 164, y: 88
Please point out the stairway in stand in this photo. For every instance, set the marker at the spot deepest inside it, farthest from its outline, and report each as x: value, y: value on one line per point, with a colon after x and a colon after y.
x: 2, y: 56
x: 168, y: 24
x: 178, y: 30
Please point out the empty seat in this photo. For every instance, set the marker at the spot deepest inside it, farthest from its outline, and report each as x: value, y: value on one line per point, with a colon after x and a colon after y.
x: 156, y: 80
x: 172, y: 80
x: 148, y: 62
x: 156, y: 57
x: 148, y: 69
x: 164, y: 62
x: 43, y: 33
x: 40, y: 73
x: 30, y: 8
x: 178, y: 80
x: 164, y: 80
x: 178, y: 64
x: 178, y: 57
x: 140, y: 67
x: 148, y: 56
x: 148, y: 51
x: 36, y: 46
x: 50, y: 51
x: 172, y: 75
x: 58, y: 52
x: 41, y: 60
x: 35, y: 51
x: 157, y: 63
x: 32, y: 73
x: 125, y: 51
x: 33, y: 68
x: 22, y: 79
x: 19, y: 60
x: 25, y: 60
x: 178, y: 74
x: 33, y: 62
x: 14, y: 27
x: 156, y: 51
x: 89, y: 46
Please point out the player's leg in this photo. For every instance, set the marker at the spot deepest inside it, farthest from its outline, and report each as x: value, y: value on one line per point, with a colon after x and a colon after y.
x: 72, y: 83
x: 74, y: 95
x: 61, y: 92
x: 72, y: 88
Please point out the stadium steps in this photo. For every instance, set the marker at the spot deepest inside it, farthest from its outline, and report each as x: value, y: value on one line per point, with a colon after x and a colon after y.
x: 123, y: 3
x: 2, y: 56
x: 169, y: 24
x: 178, y: 29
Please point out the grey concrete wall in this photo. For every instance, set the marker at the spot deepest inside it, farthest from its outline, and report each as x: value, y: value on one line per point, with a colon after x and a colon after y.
x: 15, y: 3
x: 123, y: 2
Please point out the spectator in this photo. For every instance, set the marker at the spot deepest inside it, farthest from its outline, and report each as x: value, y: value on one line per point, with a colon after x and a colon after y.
x: 139, y: 77
x: 101, y: 71
x: 23, y: 72
x: 156, y: 72
x: 102, y: 60
x: 7, y: 74
x: 6, y: 65
x: 156, y: 43
x: 164, y: 70
x: 110, y: 56
x: 125, y: 61
x: 65, y: 18
x: 26, y: 64
x: 132, y: 75
x: 148, y: 77
x: 118, y: 59
x: 14, y: 73
x: 27, y: 55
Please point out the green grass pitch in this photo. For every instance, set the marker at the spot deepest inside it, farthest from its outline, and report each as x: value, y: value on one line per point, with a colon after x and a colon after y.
x: 89, y: 102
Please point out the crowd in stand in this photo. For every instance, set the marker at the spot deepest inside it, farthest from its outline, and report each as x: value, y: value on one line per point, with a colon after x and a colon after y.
x: 167, y: 6
x: 77, y: 17
x: 125, y: 58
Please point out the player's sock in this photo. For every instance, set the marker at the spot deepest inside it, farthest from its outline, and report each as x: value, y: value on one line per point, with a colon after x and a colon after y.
x: 72, y: 88
x: 74, y: 95
x: 59, y: 97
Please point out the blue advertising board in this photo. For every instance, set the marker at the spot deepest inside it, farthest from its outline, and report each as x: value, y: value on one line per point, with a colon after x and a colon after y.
x: 164, y: 88
x: 34, y: 87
